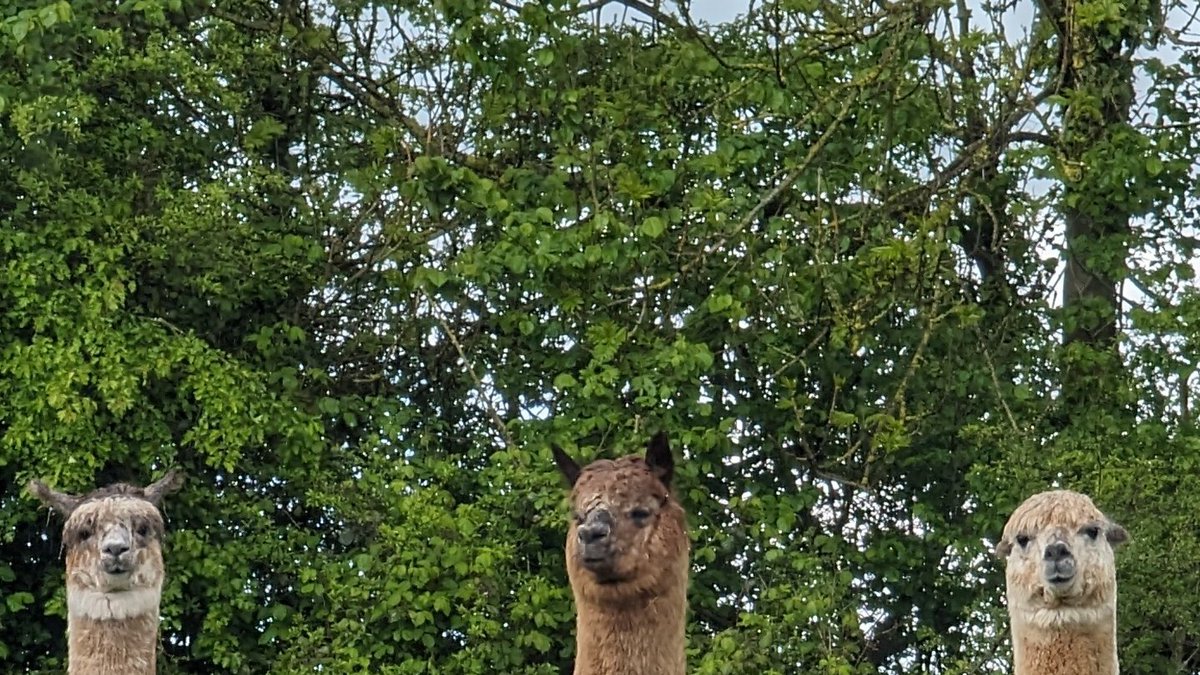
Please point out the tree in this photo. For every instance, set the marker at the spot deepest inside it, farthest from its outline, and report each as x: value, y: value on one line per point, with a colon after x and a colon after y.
x: 354, y: 266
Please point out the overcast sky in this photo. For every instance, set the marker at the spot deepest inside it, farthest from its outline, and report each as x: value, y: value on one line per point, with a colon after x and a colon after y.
x: 1016, y: 21
x: 716, y: 11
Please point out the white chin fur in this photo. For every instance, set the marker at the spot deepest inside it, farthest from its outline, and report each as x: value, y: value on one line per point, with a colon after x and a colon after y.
x: 1063, y: 617
x: 107, y: 606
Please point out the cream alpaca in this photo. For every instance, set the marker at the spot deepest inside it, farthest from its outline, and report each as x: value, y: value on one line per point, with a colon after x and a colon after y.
x: 627, y: 559
x: 113, y: 539
x: 1062, y: 585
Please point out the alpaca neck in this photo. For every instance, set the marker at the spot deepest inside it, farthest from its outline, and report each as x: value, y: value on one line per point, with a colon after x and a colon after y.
x: 1068, y: 650
x: 112, y: 633
x: 638, y: 639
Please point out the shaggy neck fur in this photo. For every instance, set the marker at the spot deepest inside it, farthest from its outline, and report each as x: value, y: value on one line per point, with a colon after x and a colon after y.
x: 112, y: 633
x: 642, y: 637
x: 1048, y: 646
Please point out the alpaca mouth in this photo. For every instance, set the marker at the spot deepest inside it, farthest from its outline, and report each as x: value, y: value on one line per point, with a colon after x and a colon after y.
x: 1060, y: 573
x: 115, y: 568
x: 602, y: 569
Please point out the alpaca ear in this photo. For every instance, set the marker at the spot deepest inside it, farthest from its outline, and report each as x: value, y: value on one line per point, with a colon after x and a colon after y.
x: 1116, y: 534
x: 659, y: 458
x: 168, y: 484
x: 568, y: 467
x: 59, y: 501
x: 1003, y: 548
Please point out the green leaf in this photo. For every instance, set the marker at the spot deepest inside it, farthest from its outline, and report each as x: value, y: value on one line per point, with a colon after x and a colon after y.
x: 841, y: 418
x: 19, y: 29
x: 18, y: 601
x: 1154, y: 165
x: 653, y: 227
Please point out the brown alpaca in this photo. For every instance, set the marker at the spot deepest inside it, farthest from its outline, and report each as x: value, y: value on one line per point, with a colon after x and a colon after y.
x: 627, y: 559
x: 1062, y: 585
x: 113, y: 539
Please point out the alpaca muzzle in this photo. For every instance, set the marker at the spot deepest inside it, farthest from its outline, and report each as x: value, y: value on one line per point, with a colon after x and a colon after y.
x: 116, y: 554
x: 596, y: 541
x: 1058, y: 564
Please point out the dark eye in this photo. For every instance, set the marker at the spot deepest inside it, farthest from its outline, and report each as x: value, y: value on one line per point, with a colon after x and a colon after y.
x: 639, y: 514
x: 1022, y: 540
x: 142, y: 530
x: 1092, y: 531
x: 85, y: 534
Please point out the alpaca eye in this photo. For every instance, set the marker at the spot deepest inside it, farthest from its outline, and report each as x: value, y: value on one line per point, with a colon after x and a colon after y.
x: 639, y: 514
x: 1022, y: 540
x: 143, y: 530
x: 1092, y: 532
x: 85, y: 534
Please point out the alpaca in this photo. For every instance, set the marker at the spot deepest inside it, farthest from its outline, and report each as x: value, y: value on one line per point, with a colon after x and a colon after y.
x: 1062, y: 585
x: 627, y: 560
x: 112, y: 537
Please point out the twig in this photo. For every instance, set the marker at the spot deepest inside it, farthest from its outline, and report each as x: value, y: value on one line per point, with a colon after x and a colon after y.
x: 1012, y: 420
x: 462, y: 354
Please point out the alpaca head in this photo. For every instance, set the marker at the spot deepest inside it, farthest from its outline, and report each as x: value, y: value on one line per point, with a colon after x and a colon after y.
x: 1060, y: 567
x: 628, y: 535
x: 113, y: 540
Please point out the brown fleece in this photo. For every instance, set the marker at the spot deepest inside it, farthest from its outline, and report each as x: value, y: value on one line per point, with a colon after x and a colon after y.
x: 113, y: 646
x: 1065, y: 651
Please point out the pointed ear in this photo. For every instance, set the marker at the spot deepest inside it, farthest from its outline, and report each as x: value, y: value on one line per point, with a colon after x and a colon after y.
x: 1116, y: 534
x: 1003, y: 548
x: 659, y: 459
x: 59, y: 501
x: 568, y: 467
x: 168, y: 484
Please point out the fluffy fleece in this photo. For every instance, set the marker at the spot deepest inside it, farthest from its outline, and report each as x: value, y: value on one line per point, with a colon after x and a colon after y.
x: 113, y: 540
x: 1061, y: 580
x: 627, y: 559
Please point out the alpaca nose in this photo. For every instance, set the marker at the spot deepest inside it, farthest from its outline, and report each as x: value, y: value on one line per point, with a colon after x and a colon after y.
x: 1057, y: 552
x: 596, y: 527
x: 115, y: 548
x: 593, y: 533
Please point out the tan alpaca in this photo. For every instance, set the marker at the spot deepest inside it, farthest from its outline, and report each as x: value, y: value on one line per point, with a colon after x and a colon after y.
x: 113, y: 539
x: 1062, y: 585
x: 627, y: 559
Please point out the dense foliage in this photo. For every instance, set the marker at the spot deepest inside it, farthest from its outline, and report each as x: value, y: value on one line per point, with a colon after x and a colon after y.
x: 881, y: 270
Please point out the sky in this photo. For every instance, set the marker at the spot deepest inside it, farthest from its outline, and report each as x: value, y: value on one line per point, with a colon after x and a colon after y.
x: 716, y: 11
x: 1016, y: 21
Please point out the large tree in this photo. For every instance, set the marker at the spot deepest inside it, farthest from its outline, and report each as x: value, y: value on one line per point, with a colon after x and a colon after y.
x: 880, y: 269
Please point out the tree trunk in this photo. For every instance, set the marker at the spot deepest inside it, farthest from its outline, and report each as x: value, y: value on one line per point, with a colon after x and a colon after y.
x: 1096, y: 75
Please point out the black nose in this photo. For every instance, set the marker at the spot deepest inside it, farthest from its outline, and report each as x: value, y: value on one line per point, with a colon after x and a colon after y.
x: 115, y: 549
x: 1057, y: 552
x: 593, y: 532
